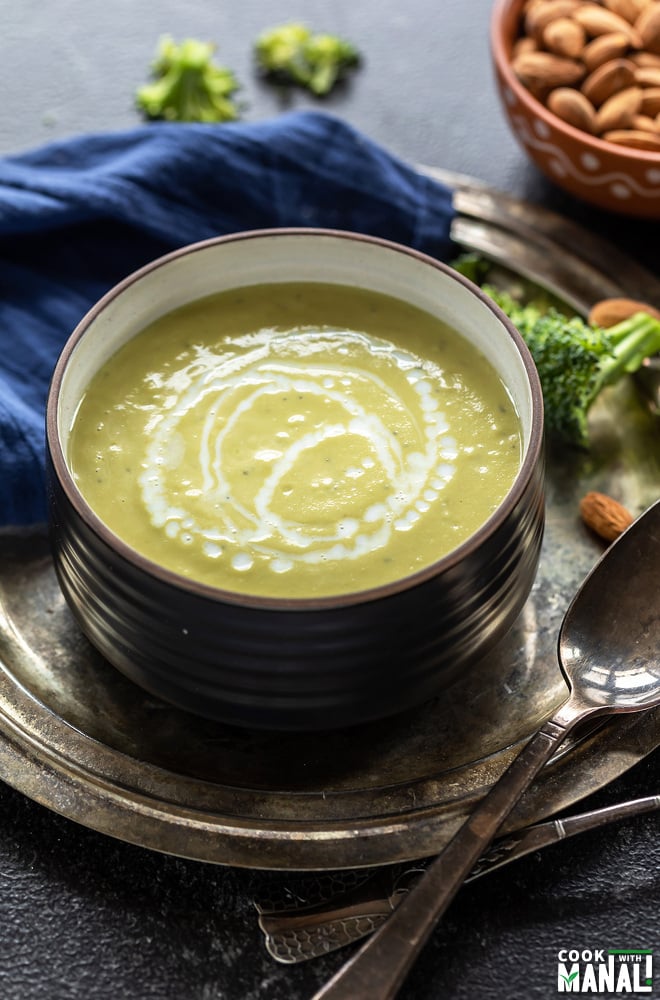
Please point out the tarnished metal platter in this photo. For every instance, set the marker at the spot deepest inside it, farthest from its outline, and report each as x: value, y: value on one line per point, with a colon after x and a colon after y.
x: 78, y: 737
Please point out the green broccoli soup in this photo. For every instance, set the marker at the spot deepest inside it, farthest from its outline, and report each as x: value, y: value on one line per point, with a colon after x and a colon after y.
x: 295, y: 440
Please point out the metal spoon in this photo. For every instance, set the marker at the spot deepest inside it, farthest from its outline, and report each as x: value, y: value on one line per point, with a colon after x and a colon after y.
x: 609, y: 652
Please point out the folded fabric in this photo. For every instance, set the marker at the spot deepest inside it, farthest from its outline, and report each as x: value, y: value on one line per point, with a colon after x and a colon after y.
x: 77, y: 216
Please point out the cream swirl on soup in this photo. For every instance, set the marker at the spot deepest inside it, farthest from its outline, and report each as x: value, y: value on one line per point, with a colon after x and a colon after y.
x: 244, y: 443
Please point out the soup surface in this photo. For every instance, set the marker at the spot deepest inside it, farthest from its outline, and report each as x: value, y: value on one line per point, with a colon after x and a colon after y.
x: 295, y: 440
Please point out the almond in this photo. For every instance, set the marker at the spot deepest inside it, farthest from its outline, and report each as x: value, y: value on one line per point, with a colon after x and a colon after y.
x: 603, y: 48
x: 640, y: 5
x: 543, y: 71
x: 540, y: 14
x: 645, y: 59
x: 598, y: 21
x: 619, y: 110
x: 650, y: 101
x: 573, y: 107
x: 564, y: 37
x: 608, y: 79
x: 648, y: 27
x: 604, y: 515
x: 524, y: 44
x: 627, y: 9
x: 635, y: 138
x: 647, y: 76
x: 644, y: 123
x: 609, y: 312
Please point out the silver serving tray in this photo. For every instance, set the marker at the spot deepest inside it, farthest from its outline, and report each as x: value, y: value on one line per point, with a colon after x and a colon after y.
x: 78, y: 737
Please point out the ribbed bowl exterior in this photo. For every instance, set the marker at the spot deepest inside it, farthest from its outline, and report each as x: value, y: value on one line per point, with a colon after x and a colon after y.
x: 304, y: 668
x: 301, y: 664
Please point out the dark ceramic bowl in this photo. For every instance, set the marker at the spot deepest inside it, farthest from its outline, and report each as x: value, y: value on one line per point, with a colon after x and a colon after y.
x: 297, y: 663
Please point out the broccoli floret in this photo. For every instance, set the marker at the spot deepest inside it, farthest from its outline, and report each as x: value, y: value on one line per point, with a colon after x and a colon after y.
x: 291, y: 53
x: 188, y: 86
x: 279, y: 52
x: 575, y: 361
x: 472, y: 265
x: 328, y: 58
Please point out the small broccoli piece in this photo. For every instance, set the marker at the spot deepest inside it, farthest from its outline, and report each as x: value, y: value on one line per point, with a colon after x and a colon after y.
x: 291, y: 53
x: 188, y: 86
x: 575, y: 361
x: 279, y: 52
x: 328, y: 58
x: 473, y: 266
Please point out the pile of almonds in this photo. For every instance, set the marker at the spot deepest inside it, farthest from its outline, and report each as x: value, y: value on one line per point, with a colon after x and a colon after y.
x: 596, y: 65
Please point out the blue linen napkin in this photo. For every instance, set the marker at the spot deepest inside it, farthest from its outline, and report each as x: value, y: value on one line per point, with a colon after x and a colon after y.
x: 78, y: 215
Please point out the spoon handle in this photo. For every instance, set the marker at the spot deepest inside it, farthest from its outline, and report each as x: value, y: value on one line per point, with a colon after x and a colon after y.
x: 378, y: 969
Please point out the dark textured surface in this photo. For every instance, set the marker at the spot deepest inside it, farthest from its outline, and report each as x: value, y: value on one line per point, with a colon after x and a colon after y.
x: 83, y: 916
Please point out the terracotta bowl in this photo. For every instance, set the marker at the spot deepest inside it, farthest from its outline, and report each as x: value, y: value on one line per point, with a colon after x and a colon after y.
x: 613, y: 177
x: 303, y: 663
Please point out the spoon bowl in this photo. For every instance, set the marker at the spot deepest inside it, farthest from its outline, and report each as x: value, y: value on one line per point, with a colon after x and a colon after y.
x: 608, y: 643
x: 609, y: 652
